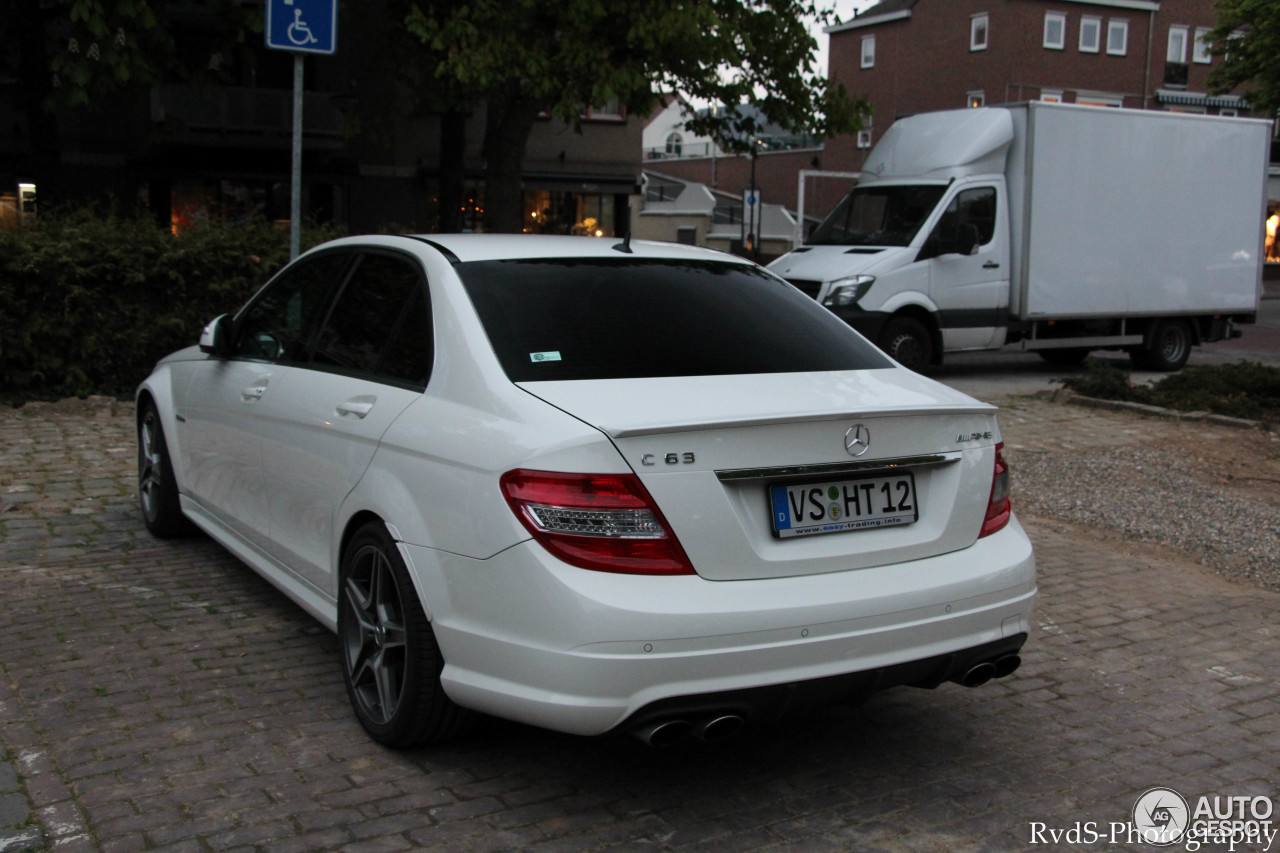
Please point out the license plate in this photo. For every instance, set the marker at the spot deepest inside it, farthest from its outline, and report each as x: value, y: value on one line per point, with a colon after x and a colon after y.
x: 808, y: 509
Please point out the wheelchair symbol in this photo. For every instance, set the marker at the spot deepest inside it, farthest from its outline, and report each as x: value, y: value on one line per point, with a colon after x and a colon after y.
x: 299, y: 33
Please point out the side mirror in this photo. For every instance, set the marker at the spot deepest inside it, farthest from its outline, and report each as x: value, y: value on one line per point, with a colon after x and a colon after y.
x: 968, y: 240
x: 216, y: 337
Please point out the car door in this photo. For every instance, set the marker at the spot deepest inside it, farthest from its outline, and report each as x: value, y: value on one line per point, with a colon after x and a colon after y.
x: 970, y: 290
x: 224, y: 418
x: 370, y: 359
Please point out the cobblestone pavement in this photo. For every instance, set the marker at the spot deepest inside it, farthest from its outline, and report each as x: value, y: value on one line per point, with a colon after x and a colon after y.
x: 161, y: 696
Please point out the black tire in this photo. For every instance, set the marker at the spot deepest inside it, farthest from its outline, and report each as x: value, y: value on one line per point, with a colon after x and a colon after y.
x: 1072, y: 357
x: 907, y: 342
x: 1170, y: 348
x: 157, y: 485
x: 391, y: 663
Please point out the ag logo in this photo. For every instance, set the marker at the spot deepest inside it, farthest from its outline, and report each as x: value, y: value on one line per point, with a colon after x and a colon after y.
x: 1160, y: 816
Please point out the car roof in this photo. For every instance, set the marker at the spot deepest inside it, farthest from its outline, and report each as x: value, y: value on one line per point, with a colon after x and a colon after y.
x: 491, y: 247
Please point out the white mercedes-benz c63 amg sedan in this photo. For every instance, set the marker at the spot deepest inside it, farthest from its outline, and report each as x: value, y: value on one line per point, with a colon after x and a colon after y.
x: 591, y: 485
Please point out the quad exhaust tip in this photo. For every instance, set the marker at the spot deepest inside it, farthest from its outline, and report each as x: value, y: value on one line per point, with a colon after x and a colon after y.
x: 980, y: 674
x: 713, y: 728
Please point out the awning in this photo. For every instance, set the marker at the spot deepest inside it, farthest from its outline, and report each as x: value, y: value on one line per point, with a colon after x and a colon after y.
x: 1200, y: 99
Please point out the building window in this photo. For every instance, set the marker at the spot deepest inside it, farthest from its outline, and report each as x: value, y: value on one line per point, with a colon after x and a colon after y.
x: 977, y: 99
x: 1177, y: 51
x: 1228, y: 112
x: 1055, y: 30
x: 978, y: 32
x: 869, y: 51
x: 610, y: 110
x: 1200, y: 51
x: 1051, y: 96
x: 1090, y: 34
x: 864, y: 139
x: 675, y: 145
x: 1117, y: 37
x: 1099, y: 99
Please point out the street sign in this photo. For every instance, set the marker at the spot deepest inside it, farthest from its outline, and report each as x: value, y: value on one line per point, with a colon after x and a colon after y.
x: 302, y: 26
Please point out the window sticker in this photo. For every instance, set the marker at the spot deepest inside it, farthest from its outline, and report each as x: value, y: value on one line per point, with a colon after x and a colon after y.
x: 553, y: 355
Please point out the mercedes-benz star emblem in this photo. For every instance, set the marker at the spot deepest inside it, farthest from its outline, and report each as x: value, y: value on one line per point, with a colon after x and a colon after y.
x: 857, y: 440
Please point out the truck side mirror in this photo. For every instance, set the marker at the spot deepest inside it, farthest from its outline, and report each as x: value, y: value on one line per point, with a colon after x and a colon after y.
x: 215, y: 339
x: 968, y: 240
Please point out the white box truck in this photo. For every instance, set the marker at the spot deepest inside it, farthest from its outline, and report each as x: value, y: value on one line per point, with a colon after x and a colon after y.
x: 1049, y: 227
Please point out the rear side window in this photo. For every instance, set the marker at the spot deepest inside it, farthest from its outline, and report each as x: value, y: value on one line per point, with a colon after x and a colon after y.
x: 568, y: 319
x: 379, y: 326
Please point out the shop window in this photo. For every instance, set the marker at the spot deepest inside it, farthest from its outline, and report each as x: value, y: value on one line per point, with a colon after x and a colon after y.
x: 1200, y: 49
x: 553, y: 212
x: 1055, y: 30
x: 1117, y: 37
x: 1090, y: 34
x: 978, y: 28
x: 868, y: 51
x: 1273, y: 223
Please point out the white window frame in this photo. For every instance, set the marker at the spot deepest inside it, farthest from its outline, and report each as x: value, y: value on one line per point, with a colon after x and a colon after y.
x: 1176, y: 51
x: 868, y: 51
x: 976, y: 98
x: 1200, y: 48
x: 1059, y: 18
x: 1118, y: 37
x: 1095, y: 23
x: 864, y: 139
x: 979, y: 23
x: 1051, y: 96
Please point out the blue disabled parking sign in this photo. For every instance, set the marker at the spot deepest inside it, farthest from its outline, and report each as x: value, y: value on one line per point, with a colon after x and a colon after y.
x: 304, y: 26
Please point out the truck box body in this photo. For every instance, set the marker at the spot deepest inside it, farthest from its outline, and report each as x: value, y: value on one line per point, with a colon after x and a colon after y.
x: 1047, y: 227
x: 1135, y: 212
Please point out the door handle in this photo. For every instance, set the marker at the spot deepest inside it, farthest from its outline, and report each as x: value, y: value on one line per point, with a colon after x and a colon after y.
x: 253, y: 392
x: 991, y: 265
x: 357, y: 406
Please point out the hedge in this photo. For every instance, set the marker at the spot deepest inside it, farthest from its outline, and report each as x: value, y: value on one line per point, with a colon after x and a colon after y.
x: 89, y: 303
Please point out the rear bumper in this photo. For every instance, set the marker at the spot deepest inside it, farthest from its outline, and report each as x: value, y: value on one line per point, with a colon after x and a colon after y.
x: 527, y: 638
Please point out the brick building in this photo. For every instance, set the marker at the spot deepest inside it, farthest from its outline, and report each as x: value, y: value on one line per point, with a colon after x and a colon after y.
x: 910, y: 56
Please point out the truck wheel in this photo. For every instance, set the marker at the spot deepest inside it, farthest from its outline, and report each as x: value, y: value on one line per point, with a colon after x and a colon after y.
x: 1071, y: 357
x: 907, y: 342
x: 1170, y: 347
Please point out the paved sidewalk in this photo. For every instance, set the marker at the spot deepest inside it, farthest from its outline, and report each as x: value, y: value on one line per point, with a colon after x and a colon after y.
x: 160, y: 696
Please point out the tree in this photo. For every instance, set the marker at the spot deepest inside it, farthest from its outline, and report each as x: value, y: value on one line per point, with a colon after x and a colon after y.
x: 523, y: 58
x: 1247, y: 38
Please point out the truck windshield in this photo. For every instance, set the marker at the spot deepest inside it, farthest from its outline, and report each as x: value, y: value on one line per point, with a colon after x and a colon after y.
x: 877, y: 216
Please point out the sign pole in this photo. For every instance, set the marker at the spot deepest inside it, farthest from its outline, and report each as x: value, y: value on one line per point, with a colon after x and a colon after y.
x: 300, y: 26
x: 295, y: 181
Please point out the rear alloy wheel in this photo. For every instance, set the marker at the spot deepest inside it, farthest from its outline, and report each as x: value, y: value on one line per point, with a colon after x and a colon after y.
x: 157, y: 486
x: 907, y: 342
x: 1170, y: 347
x: 390, y: 659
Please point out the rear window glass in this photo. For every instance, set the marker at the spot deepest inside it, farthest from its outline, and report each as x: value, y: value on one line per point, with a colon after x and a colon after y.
x: 620, y: 318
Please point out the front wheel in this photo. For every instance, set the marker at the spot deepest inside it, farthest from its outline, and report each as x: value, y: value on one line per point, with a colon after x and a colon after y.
x: 391, y: 662
x: 157, y: 485
x: 1170, y: 347
x: 907, y: 342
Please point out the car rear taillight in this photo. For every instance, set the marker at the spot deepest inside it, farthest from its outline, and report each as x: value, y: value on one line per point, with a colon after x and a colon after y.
x: 604, y: 522
x: 998, y: 505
